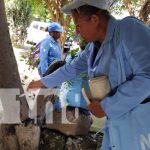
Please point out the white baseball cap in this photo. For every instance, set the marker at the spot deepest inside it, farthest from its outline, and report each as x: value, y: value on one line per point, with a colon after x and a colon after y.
x: 102, y: 4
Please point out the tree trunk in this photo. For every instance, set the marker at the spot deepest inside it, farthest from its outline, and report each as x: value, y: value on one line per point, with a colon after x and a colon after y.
x: 9, y: 84
x: 144, y: 14
x: 9, y: 76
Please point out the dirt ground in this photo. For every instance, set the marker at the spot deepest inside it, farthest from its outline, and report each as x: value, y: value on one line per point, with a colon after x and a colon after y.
x: 53, y: 140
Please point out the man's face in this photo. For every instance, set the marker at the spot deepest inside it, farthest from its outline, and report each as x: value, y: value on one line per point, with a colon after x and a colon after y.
x: 56, y: 35
x: 85, y: 27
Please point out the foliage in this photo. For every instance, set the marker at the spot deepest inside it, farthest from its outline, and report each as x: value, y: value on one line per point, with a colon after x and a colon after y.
x: 39, y: 11
x: 118, y: 7
x: 71, y: 31
x: 82, y: 43
x: 18, y: 14
x: 28, y: 58
x: 132, y: 6
x: 74, y: 53
x: 84, y: 76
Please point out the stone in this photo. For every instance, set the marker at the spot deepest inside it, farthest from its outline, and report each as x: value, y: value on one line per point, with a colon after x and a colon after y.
x: 8, y: 139
x: 28, y: 137
x: 69, y: 125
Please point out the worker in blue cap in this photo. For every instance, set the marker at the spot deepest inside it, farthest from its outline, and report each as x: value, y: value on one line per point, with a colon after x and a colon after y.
x: 50, y: 50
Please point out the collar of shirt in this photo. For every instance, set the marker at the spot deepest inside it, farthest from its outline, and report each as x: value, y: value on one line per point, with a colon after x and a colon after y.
x: 110, y: 30
x: 53, y: 40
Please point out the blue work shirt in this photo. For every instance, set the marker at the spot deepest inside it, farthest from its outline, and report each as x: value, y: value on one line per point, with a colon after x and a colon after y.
x: 50, y: 51
x: 124, y: 56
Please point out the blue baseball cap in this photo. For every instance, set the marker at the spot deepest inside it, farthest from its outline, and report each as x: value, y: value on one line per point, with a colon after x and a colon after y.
x: 54, y: 26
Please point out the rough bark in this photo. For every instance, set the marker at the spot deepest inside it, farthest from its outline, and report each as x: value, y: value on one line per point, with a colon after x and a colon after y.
x: 129, y: 7
x: 9, y: 76
x: 9, y: 79
x: 145, y: 12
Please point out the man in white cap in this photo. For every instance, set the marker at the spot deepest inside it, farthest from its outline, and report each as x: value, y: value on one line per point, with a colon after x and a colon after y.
x: 124, y: 58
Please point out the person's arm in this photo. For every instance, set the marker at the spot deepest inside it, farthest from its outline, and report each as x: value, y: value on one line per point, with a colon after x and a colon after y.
x: 66, y: 72
x: 44, y: 49
x: 35, y: 85
x: 93, y: 104
x: 135, y: 38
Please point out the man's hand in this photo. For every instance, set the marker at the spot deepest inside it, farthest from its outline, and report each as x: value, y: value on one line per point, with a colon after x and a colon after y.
x: 93, y: 105
x: 96, y: 109
x: 35, y: 85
